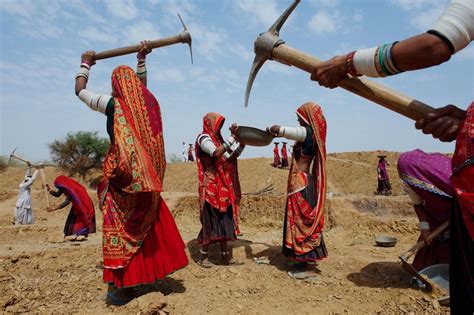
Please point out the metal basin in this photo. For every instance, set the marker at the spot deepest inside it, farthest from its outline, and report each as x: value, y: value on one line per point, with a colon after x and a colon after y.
x: 254, y: 136
x: 385, y: 241
x: 438, y: 274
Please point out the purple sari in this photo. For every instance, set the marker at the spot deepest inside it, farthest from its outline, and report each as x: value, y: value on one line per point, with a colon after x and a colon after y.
x: 428, y: 175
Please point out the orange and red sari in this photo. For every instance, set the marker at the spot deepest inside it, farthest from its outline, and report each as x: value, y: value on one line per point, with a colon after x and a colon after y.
x: 461, y: 267
x: 219, y: 189
x: 141, y: 242
x: 304, y: 219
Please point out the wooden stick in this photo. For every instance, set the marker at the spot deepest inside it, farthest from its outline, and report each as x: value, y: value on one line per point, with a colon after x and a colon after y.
x: 421, y: 244
x: 370, y: 90
x: 180, y: 38
x: 46, y: 193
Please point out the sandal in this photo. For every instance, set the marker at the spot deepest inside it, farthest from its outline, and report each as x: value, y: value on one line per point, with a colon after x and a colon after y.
x: 303, y: 275
x: 116, y: 296
x: 227, y: 260
x: 204, y: 261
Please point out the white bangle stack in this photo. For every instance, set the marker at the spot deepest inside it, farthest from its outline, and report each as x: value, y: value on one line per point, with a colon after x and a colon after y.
x: 83, y: 71
x: 141, y: 68
x: 424, y: 225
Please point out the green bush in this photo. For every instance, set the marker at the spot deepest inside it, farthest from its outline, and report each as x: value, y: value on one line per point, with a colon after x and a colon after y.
x: 79, y: 152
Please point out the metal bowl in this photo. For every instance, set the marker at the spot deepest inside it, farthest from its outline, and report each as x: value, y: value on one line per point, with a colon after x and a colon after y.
x: 439, y: 275
x: 254, y: 136
x: 385, y: 241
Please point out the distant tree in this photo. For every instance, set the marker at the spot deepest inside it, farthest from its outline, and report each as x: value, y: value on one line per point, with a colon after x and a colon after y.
x: 79, y: 152
x: 173, y: 158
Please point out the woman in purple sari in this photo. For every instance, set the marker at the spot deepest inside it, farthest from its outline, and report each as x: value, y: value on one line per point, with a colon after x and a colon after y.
x: 426, y: 179
x: 384, y: 187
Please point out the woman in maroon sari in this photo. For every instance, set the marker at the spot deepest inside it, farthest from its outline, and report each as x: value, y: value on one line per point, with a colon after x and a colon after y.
x: 426, y: 179
x: 81, y: 219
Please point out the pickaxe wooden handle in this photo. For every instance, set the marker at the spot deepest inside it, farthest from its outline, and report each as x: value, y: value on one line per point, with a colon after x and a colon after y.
x: 43, y: 180
x: 440, y: 229
x: 368, y: 89
x: 269, y: 45
x: 183, y: 37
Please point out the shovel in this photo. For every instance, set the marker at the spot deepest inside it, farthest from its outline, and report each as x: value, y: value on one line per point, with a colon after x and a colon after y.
x: 406, y: 255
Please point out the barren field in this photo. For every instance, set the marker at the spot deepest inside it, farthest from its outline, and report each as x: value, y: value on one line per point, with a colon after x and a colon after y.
x: 40, y: 272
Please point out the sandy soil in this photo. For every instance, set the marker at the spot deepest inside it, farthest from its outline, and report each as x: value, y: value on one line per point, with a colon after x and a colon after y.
x: 39, y: 272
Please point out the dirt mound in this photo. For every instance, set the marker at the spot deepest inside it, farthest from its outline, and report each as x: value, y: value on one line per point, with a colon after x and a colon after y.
x: 40, y: 272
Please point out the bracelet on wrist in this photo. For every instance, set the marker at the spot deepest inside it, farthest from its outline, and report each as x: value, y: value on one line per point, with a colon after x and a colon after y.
x: 423, y: 225
x: 350, y: 68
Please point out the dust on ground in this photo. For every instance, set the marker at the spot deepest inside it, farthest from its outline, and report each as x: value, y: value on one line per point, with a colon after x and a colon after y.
x: 40, y: 272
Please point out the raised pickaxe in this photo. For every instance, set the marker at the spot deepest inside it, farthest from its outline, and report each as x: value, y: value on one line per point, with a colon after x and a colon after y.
x: 183, y: 37
x: 404, y: 256
x: 269, y: 45
x: 40, y: 167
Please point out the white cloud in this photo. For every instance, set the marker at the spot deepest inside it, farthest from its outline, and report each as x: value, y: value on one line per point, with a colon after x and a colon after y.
x: 410, y: 5
x: 325, y: 22
x: 208, y: 42
x: 169, y: 74
x: 246, y: 53
x: 324, y: 3
x: 93, y: 34
x: 465, y: 54
x: 183, y: 7
x: 266, y: 12
x: 36, y: 19
x: 137, y: 32
x: 424, y: 19
x: 124, y: 9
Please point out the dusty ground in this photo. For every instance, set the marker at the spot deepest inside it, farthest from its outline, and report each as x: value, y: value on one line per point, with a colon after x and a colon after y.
x: 39, y: 272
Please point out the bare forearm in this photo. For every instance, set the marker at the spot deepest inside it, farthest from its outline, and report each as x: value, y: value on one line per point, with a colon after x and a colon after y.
x: 81, y: 84
x: 419, y: 52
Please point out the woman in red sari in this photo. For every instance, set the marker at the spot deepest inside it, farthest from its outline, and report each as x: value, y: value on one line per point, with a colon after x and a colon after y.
x: 219, y: 188
x: 141, y: 242
x: 276, y: 156
x: 304, y: 218
x: 81, y: 219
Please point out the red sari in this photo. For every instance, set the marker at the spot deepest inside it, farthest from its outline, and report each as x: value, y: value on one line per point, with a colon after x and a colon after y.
x: 276, y: 156
x: 81, y: 219
x: 218, y: 181
x: 304, y: 223
x: 461, y: 271
x: 141, y: 242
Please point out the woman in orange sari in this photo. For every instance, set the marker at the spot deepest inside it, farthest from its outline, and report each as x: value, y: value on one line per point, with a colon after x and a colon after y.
x: 141, y: 242
x: 304, y: 219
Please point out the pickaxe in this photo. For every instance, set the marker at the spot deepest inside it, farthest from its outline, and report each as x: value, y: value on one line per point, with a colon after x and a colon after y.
x: 404, y: 256
x: 183, y: 37
x: 269, y: 45
x: 40, y: 167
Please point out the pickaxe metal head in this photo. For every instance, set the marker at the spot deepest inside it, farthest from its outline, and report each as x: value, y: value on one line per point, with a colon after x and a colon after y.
x: 264, y: 45
x: 12, y: 155
x: 186, y: 37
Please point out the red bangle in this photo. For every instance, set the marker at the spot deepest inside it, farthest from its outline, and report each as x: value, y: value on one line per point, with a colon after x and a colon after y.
x: 350, y: 65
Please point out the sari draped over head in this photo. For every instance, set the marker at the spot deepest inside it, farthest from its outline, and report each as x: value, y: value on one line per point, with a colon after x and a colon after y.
x: 428, y: 175
x: 382, y: 167
x: 82, y: 206
x: 133, y: 169
x: 216, y: 184
x: 305, y: 223
x: 463, y: 170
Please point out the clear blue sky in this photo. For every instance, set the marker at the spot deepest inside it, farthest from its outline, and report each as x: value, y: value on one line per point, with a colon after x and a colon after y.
x: 41, y: 42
